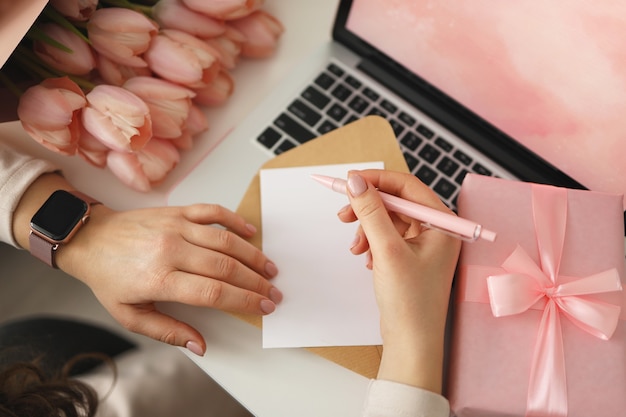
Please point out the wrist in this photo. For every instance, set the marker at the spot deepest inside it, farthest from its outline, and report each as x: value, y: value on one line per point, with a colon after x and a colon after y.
x: 414, y: 359
x: 75, y: 253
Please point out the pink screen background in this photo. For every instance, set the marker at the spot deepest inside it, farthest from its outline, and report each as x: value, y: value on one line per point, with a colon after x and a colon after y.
x: 550, y: 74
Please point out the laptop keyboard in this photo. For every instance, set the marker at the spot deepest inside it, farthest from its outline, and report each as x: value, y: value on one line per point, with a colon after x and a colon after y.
x: 337, y: 97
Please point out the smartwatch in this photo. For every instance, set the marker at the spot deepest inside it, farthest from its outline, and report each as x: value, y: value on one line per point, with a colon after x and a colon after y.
x: 56, y: 222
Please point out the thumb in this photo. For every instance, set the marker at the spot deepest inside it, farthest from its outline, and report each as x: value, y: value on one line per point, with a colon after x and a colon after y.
x: 150, y: 322
x: 371, y: 212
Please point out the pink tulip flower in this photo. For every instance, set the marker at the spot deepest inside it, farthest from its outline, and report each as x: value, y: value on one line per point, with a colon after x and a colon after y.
x: 117, y: 118
x: 217, y: 92
x: 79, y: 61
x: 195, y: 124
x: 262, y: 31
x: 117, y: 74
x: 50, y: 113
x: 122, y: 35
x: 79, y: 10
x: 225, y: 9
x: 229, y: 45
x: 183, y: 58
x: 91, y: 149
x: 173, y: 14
x: 169, y: 104
x: 142, y: 169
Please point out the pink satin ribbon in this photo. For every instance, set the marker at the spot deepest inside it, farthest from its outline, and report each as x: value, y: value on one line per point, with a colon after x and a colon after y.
x: 525, y: 283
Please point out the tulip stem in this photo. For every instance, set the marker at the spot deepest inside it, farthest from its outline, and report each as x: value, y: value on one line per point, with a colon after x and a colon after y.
x: 10, y: 85
x: 51, y: 13
x: 32, y: 64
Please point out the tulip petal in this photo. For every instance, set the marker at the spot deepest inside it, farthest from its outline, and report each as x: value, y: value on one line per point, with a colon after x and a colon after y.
x: 126, y: 167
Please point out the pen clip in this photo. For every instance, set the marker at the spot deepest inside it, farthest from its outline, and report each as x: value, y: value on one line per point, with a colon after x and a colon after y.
x: 456, y: 235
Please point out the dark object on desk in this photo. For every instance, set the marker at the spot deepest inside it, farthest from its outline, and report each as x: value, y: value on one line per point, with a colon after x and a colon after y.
x: 54, y: 341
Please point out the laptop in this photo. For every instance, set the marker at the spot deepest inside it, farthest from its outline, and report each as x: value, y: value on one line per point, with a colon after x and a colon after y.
x: 525, y: 90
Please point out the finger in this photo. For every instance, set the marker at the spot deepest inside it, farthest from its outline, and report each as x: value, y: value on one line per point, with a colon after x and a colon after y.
x: 185, y: 288
x: 215, y: 214
x: 403, y: 185
x: 227, y: 243
x: 359, y: 244
x: 373, y: 217
x: 148, y: 321
x: 346, y: 214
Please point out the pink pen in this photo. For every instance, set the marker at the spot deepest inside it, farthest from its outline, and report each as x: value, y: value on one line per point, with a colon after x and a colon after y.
x: 434, y: 219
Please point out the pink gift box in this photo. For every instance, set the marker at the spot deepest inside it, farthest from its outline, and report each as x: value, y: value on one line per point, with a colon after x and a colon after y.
x: 552, y: 276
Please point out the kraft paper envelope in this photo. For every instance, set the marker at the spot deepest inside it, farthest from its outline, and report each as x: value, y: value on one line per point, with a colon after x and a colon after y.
x: 365, y: 140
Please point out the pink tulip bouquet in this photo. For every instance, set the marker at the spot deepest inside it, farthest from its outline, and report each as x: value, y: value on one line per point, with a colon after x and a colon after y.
x: 123, y: 84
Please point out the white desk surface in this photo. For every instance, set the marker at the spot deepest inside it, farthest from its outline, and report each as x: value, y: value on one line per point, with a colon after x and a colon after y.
x: 269, y: 382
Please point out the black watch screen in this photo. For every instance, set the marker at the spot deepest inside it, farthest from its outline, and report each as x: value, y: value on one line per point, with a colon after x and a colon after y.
x: 58, y: 216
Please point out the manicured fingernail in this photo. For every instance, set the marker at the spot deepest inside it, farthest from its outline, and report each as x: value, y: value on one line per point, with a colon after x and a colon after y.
x: 275, y: 295
x: 194, y: 348
x: 271, y: 269
x: 251, y: 228
x: 267, y: 306
x: 356, y: 185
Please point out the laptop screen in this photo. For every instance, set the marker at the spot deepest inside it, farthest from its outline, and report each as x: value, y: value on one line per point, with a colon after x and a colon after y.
x: 551, y: 75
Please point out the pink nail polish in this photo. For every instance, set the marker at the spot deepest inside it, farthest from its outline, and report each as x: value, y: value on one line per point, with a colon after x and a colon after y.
x: 356, y: 185
x: 275, y: 295
x: 271, y: 269
x: 267, y: 306
x: 251, y: 228
x: 194, y: 348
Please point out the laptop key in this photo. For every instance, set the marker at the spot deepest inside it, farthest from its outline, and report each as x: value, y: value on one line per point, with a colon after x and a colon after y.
x: 269, y: 137
x: 444, y: 188
x: 425, y: 131
x: 315, y: 97
x: 326, y: 127
x: 336, y: 112
x: 426, y: 174
x: 481, y: 169
x: 411, y: 140
x: 324, y: 81
x: 341, y: 92
x: 443, y: 144
x: 284, y: 146
x: 462, y: 157
x: 335, y: 69
x: 371, y: 94
x: 406, y: 119
x: 353, y: 82
x: 429, y: 153
x: 411, y: 161
x: 447, y: 166
x: 293, y: 128
x: 304, y: 112
x: 389, y: 106
x: 397, y: 127
x: 461, y: 176
x: 358, y: 104
x: 377, y: 112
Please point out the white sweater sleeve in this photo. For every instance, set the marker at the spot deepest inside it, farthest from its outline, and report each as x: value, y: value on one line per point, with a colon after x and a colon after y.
x: 17, y: 172
x: 392, y: 399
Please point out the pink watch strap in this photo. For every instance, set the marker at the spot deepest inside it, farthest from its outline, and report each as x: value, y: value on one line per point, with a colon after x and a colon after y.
x: 42, y: 249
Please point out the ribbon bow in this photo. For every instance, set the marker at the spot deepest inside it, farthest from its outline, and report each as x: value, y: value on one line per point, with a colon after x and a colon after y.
x: 525, y: 283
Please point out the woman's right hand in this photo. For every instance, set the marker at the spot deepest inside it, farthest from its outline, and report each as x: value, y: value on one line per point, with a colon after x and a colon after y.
x: 413, y: 268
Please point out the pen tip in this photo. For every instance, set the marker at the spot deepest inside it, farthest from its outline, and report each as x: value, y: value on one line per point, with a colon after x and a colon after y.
x: 488, y: 235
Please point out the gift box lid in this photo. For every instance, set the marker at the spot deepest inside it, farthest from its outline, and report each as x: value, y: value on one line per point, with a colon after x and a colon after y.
x: 16, y: 17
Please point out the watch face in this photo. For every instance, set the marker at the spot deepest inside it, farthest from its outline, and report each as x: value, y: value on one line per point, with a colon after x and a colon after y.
x: 59, y: 215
